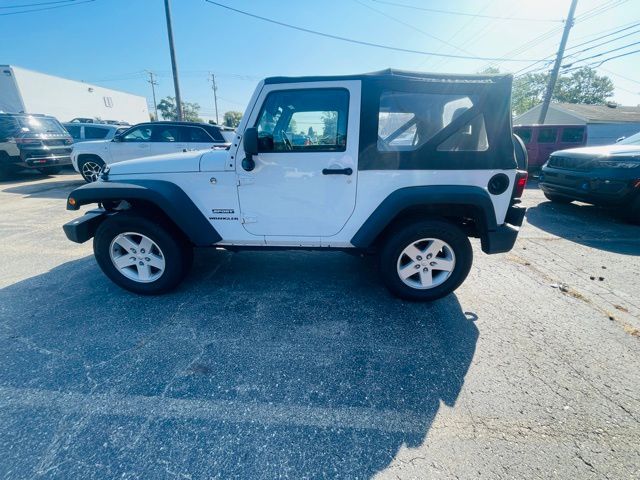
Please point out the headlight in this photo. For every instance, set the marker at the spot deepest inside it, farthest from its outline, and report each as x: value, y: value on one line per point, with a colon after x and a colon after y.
x: 618, y: 164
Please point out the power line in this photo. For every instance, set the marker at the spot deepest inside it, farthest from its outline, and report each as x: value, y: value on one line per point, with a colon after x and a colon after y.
x: 465, y: 14
x: 601, y: 54
x: 597, y: 63
x: 608, y: 5
x: 621, y: 76
x: 581, y: 51
x: 47, y: 8
x: 412, y: 27
x: 35, y: 4
x: 635, y: 24
x: 361, y: 42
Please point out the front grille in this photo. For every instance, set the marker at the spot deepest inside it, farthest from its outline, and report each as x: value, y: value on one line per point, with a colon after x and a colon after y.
x: 570, y: 163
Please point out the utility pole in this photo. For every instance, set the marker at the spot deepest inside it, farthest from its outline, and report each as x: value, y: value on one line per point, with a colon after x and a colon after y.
x: 174, y: 65
x: 215, y: 95
x: 153, y: 91
x: 556, y: 66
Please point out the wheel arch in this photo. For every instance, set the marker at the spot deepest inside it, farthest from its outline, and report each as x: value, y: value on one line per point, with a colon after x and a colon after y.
x: 157, y: 198
x: 469, y: 207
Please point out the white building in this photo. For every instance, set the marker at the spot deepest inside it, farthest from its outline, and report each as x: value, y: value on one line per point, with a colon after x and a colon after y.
x: 23, y: 90
x: 605, y: 123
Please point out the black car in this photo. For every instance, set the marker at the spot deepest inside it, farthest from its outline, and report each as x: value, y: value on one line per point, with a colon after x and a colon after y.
x: 607, y: 175
x: 33, y: 141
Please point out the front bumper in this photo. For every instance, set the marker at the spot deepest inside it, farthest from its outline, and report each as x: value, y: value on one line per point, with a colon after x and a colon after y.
x: 608, y: 187
x: 504, y: 237
x: 82, y: 229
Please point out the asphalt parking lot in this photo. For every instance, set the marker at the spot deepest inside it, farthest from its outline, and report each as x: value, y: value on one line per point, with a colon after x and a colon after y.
x: 301, y: 365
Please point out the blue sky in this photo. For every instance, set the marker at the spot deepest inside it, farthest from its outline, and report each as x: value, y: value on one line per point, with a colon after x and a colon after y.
x: 112, y: 42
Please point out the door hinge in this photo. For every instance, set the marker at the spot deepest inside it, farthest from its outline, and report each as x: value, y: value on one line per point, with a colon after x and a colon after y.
x: 245, y: 180
x: 249, y: 219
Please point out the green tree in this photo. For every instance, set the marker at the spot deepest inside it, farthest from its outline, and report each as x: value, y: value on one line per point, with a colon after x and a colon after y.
x: 581, y: 86
x: 232, y: 119
x: 167, y: 108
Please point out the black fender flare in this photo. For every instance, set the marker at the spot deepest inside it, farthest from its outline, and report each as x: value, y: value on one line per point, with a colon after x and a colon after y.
x: 166, y: 196
x: 474, y: 197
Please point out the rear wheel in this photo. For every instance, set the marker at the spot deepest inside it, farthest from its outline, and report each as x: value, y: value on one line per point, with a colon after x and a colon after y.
x: 50, y: 170
x: 425, y: 261
x: 90, y: 168
x: 558, y: 198
x: 141, y: 255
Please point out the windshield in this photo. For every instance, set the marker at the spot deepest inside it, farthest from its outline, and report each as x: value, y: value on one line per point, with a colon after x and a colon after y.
x: 40, y: 125
x: 632, y: 140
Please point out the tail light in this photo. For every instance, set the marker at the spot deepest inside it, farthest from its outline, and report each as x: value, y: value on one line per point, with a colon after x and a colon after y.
x: 521, y: 182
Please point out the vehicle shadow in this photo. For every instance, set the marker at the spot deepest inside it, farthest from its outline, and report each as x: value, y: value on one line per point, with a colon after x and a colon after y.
x: 261, y: 365
x: 588, y: 225
x: 32, y: 184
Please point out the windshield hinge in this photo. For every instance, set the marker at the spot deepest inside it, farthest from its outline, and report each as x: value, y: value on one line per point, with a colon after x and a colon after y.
x: 249, y: 219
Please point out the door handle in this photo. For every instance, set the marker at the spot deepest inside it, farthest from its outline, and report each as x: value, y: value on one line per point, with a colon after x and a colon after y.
x: 337, y: 171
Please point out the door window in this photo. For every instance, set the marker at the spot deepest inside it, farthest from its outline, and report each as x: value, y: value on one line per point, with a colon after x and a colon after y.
x: 95, y: 133
x: 195, y: 135
x: 407, y: 120
x: 313, y: 120
x: 139, y: 134
x: 572, y: 134
x: 74, y: 131
x: 547, y: 135
x: 166, y: 133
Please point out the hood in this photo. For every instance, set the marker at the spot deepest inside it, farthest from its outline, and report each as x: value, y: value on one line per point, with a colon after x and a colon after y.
x: 168, y: 163
x: 602, y: 151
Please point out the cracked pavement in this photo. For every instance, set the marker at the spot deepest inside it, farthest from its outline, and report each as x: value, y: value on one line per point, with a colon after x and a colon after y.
x: 301, y: 365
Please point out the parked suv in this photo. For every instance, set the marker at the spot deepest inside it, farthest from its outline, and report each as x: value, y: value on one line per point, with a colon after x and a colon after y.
x: 82, y: 132
x: 145, y: 140
x: 33, y: 141
x: 404, y: 165
x: 607, y: 175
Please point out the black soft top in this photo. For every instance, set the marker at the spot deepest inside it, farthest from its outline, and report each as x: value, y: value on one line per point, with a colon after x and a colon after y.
x: 393, y: 74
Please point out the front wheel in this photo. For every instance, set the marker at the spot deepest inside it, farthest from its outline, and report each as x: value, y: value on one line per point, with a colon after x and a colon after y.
x: 425, y: 261
x: 141, y: 255
x: 90, y: 168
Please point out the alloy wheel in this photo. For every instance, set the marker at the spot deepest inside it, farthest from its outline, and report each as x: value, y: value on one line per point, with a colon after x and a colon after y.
x: 426, y: 263
x: 137, y: 257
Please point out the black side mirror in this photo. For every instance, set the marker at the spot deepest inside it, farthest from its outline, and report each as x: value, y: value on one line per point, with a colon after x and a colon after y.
x: 250, y: 144
x: 117, y: 138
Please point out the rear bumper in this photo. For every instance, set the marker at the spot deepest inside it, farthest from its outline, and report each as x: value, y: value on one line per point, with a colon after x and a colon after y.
x: 504, y: 237
x: 606, y: 187
x: 82, y: 229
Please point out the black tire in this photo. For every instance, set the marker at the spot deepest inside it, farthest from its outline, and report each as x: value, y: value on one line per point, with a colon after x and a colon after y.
x: 175, y: 250
x: 401, y: 238
x: 558, y: 198
x: 50, y: 170
x: 90, y: 162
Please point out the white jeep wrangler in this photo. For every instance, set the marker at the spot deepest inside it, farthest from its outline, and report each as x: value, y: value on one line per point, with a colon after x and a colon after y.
x: 404, y: 165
